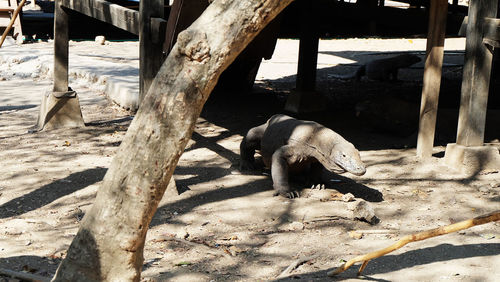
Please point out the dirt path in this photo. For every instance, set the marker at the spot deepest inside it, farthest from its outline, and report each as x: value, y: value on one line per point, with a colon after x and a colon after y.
x: 225, y: 226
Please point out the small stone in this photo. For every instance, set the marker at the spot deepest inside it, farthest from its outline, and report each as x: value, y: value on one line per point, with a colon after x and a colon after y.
x: 296, y: 225
x: 184, y: 234
x: 348, y: 197
x: 495, y: 184
x: 484, y: 189
x: 355, y: 235
x: 363, y: 211
x: 233, y: 250
x: 100, y: 40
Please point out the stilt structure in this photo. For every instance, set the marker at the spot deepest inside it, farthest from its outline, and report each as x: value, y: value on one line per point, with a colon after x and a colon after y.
x: 469, y: 153
x: 60, y: 108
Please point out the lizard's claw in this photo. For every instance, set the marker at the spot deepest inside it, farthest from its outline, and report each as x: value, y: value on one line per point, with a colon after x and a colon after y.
x: 318, y: 187
x: 292, y: 194
x: 289, y: 195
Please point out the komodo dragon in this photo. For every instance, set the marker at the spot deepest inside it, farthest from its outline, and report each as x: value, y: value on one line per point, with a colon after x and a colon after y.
x: 290, y: 145
x: 383, y: 69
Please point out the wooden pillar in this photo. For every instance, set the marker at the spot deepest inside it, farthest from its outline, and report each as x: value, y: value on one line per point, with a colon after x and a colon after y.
x: 61, y: 107
x: 476, y: 75
x: 150, y: 53
x: 432, y: 77
x: 305, y: 98
x: 308, y: 50
x: 469, y: 153
x: 61, y: 48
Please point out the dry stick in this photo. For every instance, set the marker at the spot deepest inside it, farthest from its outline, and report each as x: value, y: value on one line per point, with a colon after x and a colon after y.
x: 295, y: 264
x: 494, y: 216
x: 23, y: 275
x: 11, y: 23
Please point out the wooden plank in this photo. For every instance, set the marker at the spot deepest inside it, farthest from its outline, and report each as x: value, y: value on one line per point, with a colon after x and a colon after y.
x: 61, y: 48
x: 491, y: 28
x: 150, y: 53
x: 476, y: 75
x: 119, y: 16
x: 432, y: 77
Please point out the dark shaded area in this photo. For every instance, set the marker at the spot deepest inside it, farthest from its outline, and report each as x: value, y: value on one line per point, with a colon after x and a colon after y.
x: 16, y: 108
x: 82, y: 258
x: 43, y: 266
x: 109, y: 122
x: 387, y: 113
x: 51, y: 192
x: 391, y: 263
x: 347, y: 185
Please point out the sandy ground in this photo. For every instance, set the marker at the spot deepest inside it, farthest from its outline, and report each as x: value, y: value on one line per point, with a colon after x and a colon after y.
x: 227, y: 226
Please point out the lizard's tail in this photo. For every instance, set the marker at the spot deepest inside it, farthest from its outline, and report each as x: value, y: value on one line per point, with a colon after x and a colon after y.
x: 357, y: 75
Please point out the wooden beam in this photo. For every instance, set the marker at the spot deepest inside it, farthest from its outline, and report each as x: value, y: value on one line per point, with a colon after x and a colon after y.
x: 119, y: 16
x: 432, y: 77
x: 476, y: 75
x: 150, y: 52
x: 491, y: 32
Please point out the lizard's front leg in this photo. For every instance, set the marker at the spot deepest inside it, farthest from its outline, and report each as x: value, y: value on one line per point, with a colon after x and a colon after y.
x: 249, y: 144
x: 279, y: 172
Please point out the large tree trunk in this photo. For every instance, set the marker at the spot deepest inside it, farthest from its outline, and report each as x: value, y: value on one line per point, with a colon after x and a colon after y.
x: 110, y: 242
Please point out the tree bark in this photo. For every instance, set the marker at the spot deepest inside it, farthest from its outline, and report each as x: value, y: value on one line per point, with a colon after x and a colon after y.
x: 109, y: 244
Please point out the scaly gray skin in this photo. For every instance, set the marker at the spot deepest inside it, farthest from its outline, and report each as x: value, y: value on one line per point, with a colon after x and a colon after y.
x: 290, y: 145
x: 383, y: 69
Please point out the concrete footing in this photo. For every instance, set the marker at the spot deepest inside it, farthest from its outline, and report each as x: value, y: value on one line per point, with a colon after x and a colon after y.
x: 472, y: 159
x: 63, y: 112
x: 124, y: 91
x: 305, y: 102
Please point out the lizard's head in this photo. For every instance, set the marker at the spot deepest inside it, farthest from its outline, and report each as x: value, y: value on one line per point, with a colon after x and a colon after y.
x: 347, y: 157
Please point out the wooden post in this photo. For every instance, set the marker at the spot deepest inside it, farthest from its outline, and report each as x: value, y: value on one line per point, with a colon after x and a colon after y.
x: 305, y: 98
x: 150, y: 53
x: 61, y: 48
x: 308, y: 50
x: 476, y: 75
x: 61, y: 107
x: 432, y: 77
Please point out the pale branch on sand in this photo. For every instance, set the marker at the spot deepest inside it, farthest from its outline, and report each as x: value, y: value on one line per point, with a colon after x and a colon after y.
x: 494, y: 216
